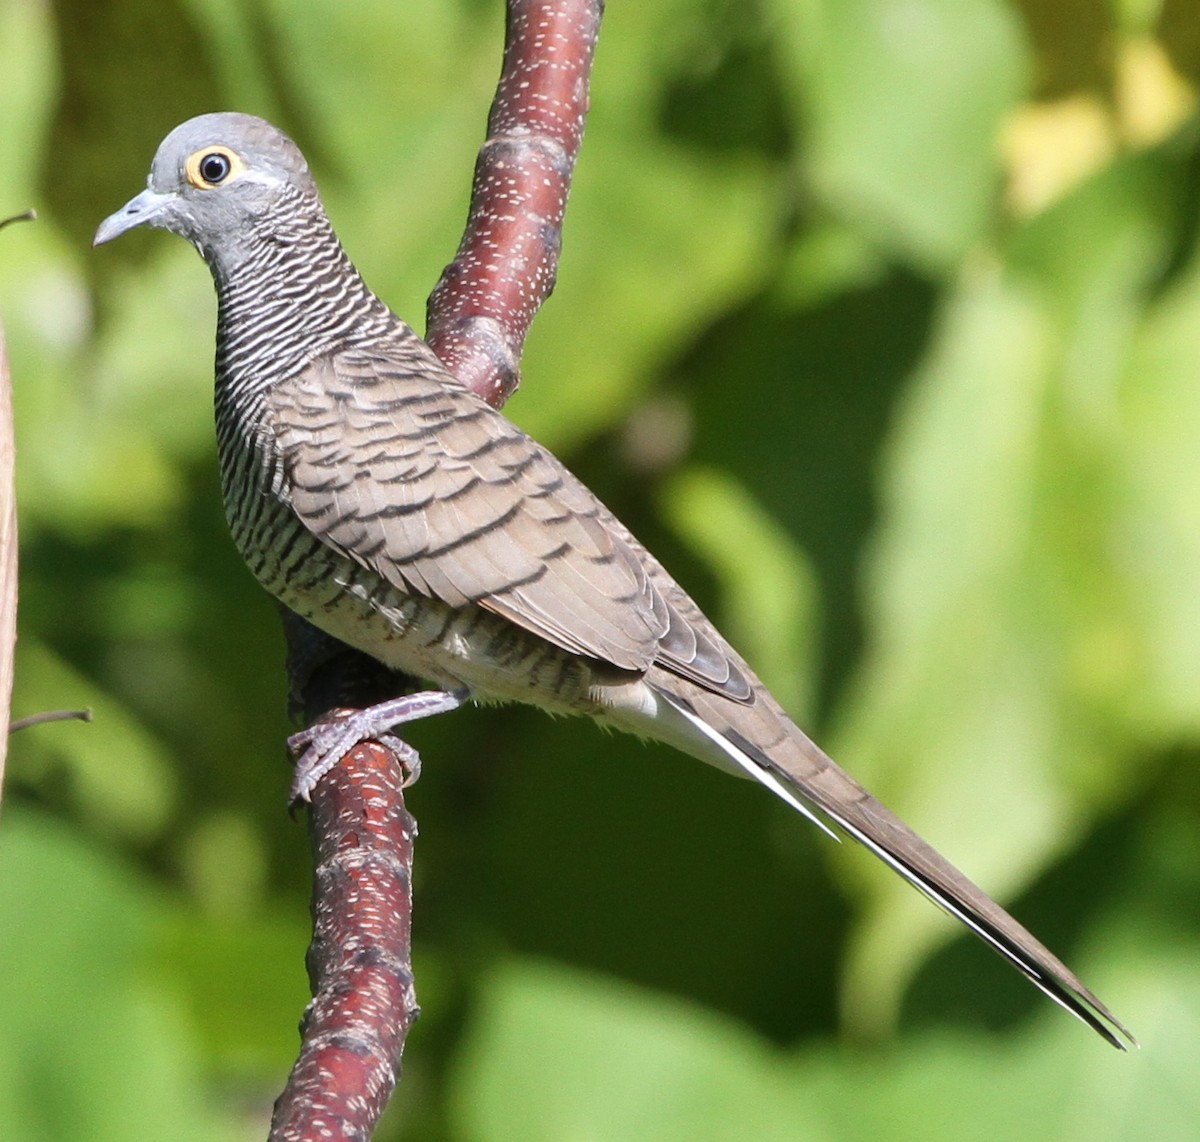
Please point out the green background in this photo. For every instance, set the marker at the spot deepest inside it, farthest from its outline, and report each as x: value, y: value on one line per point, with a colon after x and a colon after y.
x: 879, y: 321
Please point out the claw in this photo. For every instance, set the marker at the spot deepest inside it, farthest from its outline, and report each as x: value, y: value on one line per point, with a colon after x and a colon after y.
x: 409, y: 758
x: 328, y: 742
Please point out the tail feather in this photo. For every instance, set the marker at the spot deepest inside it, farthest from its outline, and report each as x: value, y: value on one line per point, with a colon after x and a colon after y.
x: 798, y: 771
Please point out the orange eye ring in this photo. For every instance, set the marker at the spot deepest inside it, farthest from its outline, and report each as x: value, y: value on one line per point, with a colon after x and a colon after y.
x: 213, y: 166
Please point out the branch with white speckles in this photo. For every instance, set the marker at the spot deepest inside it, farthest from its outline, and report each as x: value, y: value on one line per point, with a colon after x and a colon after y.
x: 505, y: 268
x: 359, y: 961
x: 479, y: 313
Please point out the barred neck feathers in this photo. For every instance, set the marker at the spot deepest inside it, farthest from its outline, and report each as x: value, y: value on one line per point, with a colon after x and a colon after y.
x: 287, y: 293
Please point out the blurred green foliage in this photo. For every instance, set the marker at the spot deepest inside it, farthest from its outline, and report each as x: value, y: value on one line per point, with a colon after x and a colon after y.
x: 880, y: 321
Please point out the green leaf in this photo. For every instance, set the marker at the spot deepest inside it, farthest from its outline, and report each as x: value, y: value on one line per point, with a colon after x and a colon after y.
x: 119, y: 777
x: 1156, y: 518
x: 556, y: 1054
x: 89, y: 1047
x: 1005, y: 643
x: 904, y: 101
x: 768, y: 592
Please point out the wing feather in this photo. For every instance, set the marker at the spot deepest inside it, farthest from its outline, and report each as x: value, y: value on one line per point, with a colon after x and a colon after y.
x: 393, y: 463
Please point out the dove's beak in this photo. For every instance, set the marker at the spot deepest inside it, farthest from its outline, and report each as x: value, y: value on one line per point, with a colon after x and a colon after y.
x: 144, y: 210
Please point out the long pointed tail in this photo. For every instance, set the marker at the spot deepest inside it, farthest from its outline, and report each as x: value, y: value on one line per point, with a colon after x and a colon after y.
x: 761, y: 740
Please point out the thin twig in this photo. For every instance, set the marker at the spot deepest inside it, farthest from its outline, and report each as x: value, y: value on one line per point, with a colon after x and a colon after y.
x: 50, y: 716
x: 28, y: 216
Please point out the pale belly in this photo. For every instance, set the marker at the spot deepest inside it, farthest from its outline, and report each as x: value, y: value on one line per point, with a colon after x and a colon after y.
x: 470, y: 647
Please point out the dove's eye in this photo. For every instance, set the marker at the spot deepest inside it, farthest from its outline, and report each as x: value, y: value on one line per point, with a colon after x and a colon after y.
x: 212, y: 166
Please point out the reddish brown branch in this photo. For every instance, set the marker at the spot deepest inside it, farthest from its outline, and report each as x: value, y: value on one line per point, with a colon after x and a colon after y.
x: 478, y: 316
x: 359, y: 967
x: 482, y: 307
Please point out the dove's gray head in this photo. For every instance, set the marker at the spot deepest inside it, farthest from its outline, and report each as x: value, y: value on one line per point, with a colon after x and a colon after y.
x: 215, y: 180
